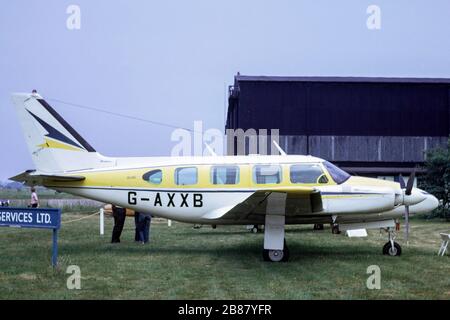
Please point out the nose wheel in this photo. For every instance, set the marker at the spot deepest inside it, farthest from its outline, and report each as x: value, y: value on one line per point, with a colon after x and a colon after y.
x: 392, y: 248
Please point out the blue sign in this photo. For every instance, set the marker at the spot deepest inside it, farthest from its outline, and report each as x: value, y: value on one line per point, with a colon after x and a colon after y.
x: 30, y: 217
x: 33, y: 218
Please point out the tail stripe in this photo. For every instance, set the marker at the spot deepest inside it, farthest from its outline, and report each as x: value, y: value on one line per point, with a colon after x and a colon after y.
x: 67, y: 126
x: 53, y: 133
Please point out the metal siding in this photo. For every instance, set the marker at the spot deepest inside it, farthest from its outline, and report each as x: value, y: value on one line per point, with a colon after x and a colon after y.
x: 365, y: 109
x: 385, y: 124
x: 272, y: 106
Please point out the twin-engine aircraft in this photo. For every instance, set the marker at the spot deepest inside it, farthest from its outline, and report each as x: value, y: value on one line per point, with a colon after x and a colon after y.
x: 217, y: 190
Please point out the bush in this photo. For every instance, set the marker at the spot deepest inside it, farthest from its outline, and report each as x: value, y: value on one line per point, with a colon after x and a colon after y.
x: 436, y: 179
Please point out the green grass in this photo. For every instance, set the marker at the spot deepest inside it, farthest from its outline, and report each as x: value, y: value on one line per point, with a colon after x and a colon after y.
x: 225, y: 263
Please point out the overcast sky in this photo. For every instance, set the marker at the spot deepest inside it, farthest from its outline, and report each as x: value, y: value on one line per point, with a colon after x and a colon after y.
x: 170, y: 61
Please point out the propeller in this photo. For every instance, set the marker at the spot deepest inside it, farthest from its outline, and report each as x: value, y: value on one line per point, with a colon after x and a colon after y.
x: 402, y: 182
x: 410, y: 183
x: 408, y: 191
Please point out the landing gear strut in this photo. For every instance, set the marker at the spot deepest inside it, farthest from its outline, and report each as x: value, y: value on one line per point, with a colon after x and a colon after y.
x: 391, y: 247
x: 275, y: 248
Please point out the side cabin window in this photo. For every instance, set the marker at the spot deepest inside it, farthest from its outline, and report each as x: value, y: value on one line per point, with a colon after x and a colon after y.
x: 307, y: 173
x: 266, y: 174
x: 225, y: 175
x: 154, y: 176
x: 186, y: 176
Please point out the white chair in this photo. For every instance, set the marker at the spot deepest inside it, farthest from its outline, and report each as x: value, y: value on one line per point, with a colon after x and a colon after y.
x: 445, y: 240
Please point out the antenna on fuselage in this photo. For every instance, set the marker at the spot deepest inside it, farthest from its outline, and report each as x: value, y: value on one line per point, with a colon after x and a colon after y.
x: 279, y: 148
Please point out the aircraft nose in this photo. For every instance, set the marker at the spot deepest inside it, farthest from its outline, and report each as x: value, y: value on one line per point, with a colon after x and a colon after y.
x: 415, y: 197
x: 432, y: 202
x: 426, y: 206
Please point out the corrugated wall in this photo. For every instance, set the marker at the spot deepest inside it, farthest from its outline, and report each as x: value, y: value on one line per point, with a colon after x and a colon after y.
x: 343, y: 109
x: 363, y: 148
x: 347, y: 122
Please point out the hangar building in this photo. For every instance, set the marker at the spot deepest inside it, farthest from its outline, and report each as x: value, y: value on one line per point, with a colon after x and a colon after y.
x: 368, y: 126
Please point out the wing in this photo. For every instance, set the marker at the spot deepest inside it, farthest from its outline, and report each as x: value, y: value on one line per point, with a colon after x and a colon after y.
x: 288, y: 201
x: 32, y: 178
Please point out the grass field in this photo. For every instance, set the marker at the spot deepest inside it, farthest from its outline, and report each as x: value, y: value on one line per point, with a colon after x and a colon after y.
x: 225, y: 263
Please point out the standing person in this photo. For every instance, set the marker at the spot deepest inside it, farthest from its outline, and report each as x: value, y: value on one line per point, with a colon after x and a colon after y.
x: 34, y: 203
x: 137, y: 233
x: 146, y: 221
x: 119, y: 215
x: 143, y: 222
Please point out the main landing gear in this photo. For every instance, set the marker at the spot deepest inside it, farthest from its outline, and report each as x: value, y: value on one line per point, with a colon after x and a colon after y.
x: 391, y: 247
x: 276, y: 255
x: 275, y: 248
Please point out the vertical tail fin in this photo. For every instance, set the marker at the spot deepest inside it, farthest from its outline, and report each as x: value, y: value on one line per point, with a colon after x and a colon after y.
x: 54, y: 145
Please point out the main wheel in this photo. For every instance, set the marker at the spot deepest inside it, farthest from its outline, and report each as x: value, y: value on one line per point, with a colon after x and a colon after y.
x: 276, y: 255
x: 392, y: 251
x: 255, y: 229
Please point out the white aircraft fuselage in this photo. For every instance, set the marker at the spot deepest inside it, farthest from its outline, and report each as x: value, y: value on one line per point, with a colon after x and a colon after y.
x: 357, y: 199
x: 270, y: 190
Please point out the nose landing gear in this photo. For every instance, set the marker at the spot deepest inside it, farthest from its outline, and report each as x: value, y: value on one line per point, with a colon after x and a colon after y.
x: 391, y: 247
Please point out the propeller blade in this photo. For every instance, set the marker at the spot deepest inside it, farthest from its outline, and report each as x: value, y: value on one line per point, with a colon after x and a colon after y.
x: 410, y: 183
x: 400, y: 180
x: 407, y: 224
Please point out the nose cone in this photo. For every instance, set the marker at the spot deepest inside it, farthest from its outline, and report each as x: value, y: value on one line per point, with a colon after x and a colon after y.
x: 432, y: 202
x: 426, y: 206
x: 416, y: 197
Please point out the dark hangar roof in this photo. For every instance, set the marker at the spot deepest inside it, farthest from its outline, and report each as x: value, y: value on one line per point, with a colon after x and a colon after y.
x: 343, y: 79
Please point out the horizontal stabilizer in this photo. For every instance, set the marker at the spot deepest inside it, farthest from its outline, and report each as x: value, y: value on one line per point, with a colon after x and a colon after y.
x: 31, y: 178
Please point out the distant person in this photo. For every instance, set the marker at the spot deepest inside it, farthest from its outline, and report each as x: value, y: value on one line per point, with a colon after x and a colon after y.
x: 142, y: 222
x: 145, y: 229
x: 137, y: 236
x: 119, y: 215
x: 34, y: 203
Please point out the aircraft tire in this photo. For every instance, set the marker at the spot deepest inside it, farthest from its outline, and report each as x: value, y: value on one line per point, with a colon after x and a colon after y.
x: 389, y: 251
x: 276, y: 255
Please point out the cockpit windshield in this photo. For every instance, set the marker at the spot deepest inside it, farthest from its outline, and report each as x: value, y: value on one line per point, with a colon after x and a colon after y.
x: 339, y: 176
